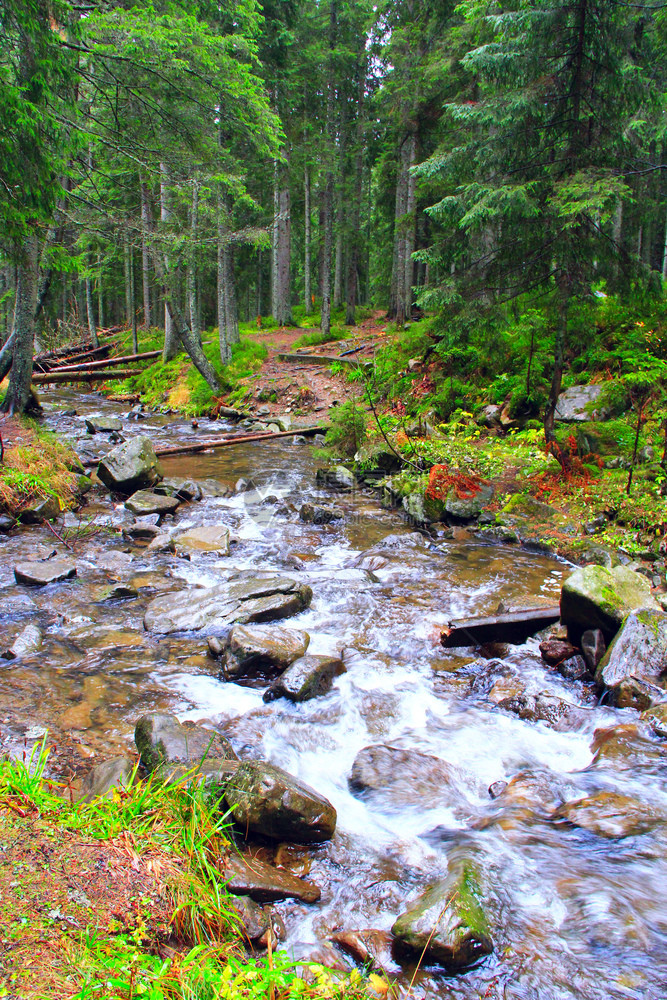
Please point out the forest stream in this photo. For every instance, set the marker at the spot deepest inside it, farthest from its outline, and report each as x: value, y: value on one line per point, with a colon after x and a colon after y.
x: 572, y: 914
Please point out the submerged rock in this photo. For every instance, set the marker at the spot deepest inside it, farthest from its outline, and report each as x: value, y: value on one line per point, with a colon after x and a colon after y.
x: 241, y: 600
x: 408, y: 775
x: 447, y: 923
x: 38, y: 574
x: 106, y: 777
x: 555, y: 650
x: 595, y: 597
x: 262, y: 648
x: 252, y: 920
x: 207, y: 538
x: 129, y: 467
x: 264, y: 883
x: 267, y: 800
x: 146, y: 502
x: 545, y: 708
x: 632, y: 670
x: 103, y: 425
x: 314, y: 514
x: 161, y: 739
x: 26, y: 642
x: 608, y: 814
x: 180, y: 488
x: 308, y: 677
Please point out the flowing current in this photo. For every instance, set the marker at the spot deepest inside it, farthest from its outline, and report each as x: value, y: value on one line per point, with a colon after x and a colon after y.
x: 573, y: 914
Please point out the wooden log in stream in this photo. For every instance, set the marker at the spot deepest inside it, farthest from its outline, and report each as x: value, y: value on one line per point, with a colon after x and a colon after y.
x: 110, y: 362
x: 190, y: 449
x: 95, y: 376
x: 50, y: 364
x: 514, y: 626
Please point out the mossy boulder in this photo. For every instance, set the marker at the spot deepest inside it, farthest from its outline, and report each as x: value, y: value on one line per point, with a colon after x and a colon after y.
x: 467, y: 508
x: 130, y: 466
x: 308, y: 677
x: 162, y: 740
x: 447, y: 923
x: 634, y: 667
x: 596, y: 597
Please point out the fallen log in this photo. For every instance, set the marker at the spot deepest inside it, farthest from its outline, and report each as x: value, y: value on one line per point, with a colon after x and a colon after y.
x: 325, y: 359
x: 514, y: 626
x: 55, y: 377
x: 57, y: 363
x: 190, y: 449
x: 109, y: 362
x: 61, y: 352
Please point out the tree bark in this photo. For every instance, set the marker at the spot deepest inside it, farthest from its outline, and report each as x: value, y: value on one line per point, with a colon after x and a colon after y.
x: 275, y: 294
x: 307, y: 289
x: 355, y: 214
x: 283, y: 309
x: 145, y: 256
x: 6, y: 356
x: 191, y: 276
x: 410, y: 222
x: 18, y: 393
x: 171, y: 344
x: 559, y: 353
x: 396, y: 304
x: 100, y: 293
x: 90, y: 309
x: 327, y: 201
x: 127, y: 268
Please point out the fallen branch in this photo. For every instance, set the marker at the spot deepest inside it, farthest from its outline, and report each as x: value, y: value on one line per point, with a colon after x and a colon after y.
x: 97, y: 376
x: 514, y: 626
x: 109, y: 362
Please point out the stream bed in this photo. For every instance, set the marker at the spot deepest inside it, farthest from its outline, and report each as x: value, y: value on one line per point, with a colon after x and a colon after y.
x: 573, y: 914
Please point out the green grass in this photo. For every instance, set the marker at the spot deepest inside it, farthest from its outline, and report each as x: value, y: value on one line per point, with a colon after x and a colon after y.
x: 185, y: 822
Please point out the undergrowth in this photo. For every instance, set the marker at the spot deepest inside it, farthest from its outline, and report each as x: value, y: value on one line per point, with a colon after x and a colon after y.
x: 37, y: 468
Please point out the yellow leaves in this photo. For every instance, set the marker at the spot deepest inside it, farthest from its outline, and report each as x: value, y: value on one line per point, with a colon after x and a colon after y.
x: 379, y: 984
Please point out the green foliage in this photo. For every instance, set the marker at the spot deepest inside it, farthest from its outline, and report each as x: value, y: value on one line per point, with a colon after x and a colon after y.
x: 347, y: 429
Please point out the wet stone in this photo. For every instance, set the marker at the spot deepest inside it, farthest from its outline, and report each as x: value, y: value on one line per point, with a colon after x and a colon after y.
x: 103, y: 425
x: 403, y: 775
x: 262, y: 649
x: 26, y: 642
x: 595, y: 597
x: 146, y: 502
x: 143, y: 530
x: 555, y: 650
x: 543, y: 708
x: 314, y: 514
x: 264, y: 883
x: 593, y: 647
x: 107, y: 777
x: 308, y: 677
x: 161, y: 739
x: 265, y: 799
x: 253, y: 922
x: 7, y: 522
x: 38, y: 574
x: 574, y: 669
x: 130, y: 466
x: 208, y: 538
x: 633, y: 668
x: 182, y: 489
x: 608, y: 814
x: 40, y: 510
x: 497, y: 788
x: 447, y: 923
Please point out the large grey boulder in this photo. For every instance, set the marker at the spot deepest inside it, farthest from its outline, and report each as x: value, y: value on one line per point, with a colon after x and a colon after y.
x: 180, y: 488
x: 130, y: 466
x: 106, y: 778
x: 265, y: 799
x: 447, y: 923
x: 633, y: 669
x: 595, y: 597
x: 242, y: 599
x: 262, y: 649
x: 264, y: 883
x: 146, y: 502
x: 308, y: 677
x: 579, y: 403
x: 468, y: 508
x: 103, y: 425
x: 338, y: 477
x: 162, y: 740
x: 39, y: 574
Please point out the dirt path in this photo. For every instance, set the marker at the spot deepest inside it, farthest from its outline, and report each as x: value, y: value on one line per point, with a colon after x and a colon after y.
x: 304, y: 388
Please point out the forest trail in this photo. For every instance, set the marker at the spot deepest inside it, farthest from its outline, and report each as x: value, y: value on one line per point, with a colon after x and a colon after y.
x: 308, y: 387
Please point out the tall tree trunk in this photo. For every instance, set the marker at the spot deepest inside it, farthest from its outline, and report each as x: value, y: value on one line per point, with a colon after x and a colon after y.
x: 410, y: 224
x: 396, y: 304
x: 133, y: 311
x: 145, y: 256
x: 327, y: 205
x: 258, y: 310
x: 560, y: 341
x: 127, y: 268
x: 171, y: 344
x: 231, y: 305
x: 100, y: 292
x: 223, y: 333
x: 90, y: 309
x: 191, y: 276
x: 18, y: 393
x: 283, y: 307
x: 307, y: 289
x: 355, y: 213
x: 275, y: 290
x: 6, y: 356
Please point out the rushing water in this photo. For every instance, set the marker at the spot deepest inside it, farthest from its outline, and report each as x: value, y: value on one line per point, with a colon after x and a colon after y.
x: 574, y: 915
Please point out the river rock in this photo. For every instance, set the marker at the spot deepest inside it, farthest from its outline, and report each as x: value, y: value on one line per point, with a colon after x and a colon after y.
x: 26, y: 642
x: 264, y: 883
x: 608, y: 814
x: 595, y: 597
x: 308, y: 677
x: 251, y: 919
x: 656, y: 716
x: 207, y: 538
x: 543, y: 707
x: 468, y: 508
x: 574, y: 668
x: 446, y: 923
x: 314, y: 514
x: 214, y: 773
x: 580, y: 403
x: 40, y: 510
x: 593, y: 647
x: 130, y: 466
x: 633, y: 669
x: 146, y: 502
x: 162, y: 543
x: 265, y: 799
x: 38, y: 574
x: 405, y: 775
x: 143, y: 530
x: 161, y: 739
x: 369, y: 947
x: 7, y: 522
x: 103, y: 425
x: 182, y: 489
x: 242, y: 599
x: 261, y: 649
x: 628, y: 747
x: 105, y: 778
x: 338, y: 477
x: 555, y: 650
